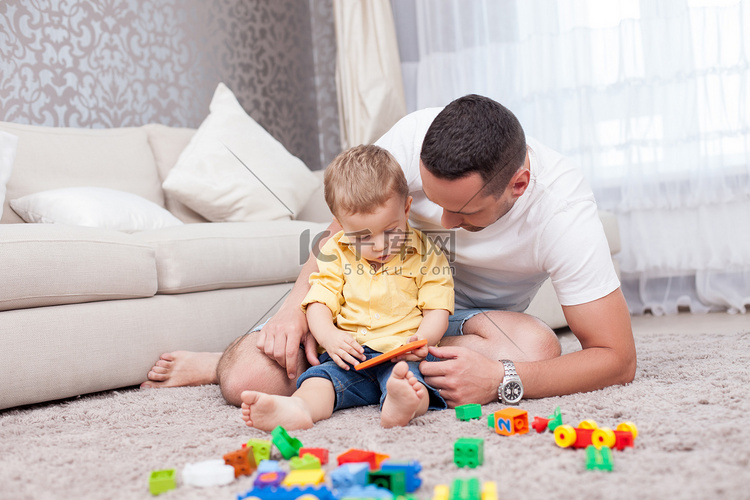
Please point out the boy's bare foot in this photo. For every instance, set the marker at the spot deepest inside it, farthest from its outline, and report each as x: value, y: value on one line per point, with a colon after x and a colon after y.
x: 182, y: 368
x: 406, y: 398
x: 266, y: 411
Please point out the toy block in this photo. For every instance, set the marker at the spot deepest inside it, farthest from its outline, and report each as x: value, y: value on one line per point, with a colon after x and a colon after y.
x: 349, y: 474
x: 287, y: 445
x: 441, y: 492
x: 468, y: 412
x: 242, y: 461
x: 261, y: 449
x: 208, y: 473
x: 269, y: 466
x: 369, y: 492
x: 395, y: 481
x: 353, y: 455
x: 269, y: 479
x: 555, y: 420
x: 468, y: 452
x: 598, y: 459
x: 294, y: 493
x: 623, y: 439
x: 489, y: 490
x: 321, y: 453
x: 465, y: 489
x: 161, y: 481
x: 304, y: 477
x: 540, y: 424
x: 511, y: 421
x: 305, y: 462
x: 411, y: 469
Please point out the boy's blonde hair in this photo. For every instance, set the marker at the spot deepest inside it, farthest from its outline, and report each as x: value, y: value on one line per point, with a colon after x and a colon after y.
x: 363, y: 178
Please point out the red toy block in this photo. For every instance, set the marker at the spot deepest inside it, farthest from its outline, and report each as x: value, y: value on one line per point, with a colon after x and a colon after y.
x: 242, y: 461
x: 511, y: 421
x: 321, y: 453
x: 356, y: 456
x: 540, y: 424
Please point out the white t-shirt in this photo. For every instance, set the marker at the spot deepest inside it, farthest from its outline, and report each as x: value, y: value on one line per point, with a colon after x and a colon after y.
x: 553, y: 229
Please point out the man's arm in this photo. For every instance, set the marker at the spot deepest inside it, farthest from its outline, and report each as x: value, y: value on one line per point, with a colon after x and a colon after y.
x: 281, y: 337
x: 607, y: 358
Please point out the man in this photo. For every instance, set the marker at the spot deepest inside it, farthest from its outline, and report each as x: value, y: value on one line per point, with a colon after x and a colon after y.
x: 519, y: 213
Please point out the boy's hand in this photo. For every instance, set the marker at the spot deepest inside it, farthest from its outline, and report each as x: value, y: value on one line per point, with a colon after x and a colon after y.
x: 416, y: 355
x: 343, y: 349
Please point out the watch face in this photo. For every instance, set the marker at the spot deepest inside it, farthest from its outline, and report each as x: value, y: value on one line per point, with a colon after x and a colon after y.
x: 512, y: 392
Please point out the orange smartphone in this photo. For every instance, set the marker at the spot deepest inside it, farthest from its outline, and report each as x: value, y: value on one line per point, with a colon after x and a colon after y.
x: 391, y: 354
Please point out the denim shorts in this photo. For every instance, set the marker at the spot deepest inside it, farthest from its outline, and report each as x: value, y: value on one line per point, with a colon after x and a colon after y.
x: 365, y: 387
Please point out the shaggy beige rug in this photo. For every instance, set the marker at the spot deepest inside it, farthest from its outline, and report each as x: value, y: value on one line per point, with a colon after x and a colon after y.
x: 690, y: 400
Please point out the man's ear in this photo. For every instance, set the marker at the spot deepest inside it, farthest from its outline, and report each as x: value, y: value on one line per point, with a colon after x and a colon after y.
x: 519, y: 182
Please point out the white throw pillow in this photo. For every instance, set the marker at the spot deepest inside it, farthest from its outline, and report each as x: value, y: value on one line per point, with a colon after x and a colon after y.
x: 93, y: 207
x: 8, y: 143
x: 210, y: 178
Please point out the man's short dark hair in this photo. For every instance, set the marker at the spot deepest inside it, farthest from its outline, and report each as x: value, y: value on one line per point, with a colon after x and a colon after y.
x: 475, y: 134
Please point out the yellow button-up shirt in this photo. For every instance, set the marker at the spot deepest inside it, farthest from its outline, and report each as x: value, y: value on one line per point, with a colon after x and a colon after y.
x: 382, y: 308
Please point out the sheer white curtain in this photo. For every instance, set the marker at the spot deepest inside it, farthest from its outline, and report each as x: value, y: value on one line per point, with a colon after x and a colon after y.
x: 650, y: 97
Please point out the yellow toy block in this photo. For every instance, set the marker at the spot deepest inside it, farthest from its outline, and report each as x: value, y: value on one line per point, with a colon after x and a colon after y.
x: 489, y: 490
x: 303, y: 477
x: 441, y: 492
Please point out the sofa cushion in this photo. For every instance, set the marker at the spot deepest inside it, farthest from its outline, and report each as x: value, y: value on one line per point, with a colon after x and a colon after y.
x: 51, y: 264
x: 93, y: 207
x: 167, y: 143
x: 57, y: 157
x: 233, y: 170
x: 211, y: 256
x: 8, y: 143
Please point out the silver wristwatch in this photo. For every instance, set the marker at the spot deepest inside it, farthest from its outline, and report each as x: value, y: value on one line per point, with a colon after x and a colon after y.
x: 510, y: 391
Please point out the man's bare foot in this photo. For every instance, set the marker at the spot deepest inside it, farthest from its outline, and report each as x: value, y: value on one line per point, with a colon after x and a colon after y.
x: 266, y: 411
x: 182, y: 368
x: 407, y: 397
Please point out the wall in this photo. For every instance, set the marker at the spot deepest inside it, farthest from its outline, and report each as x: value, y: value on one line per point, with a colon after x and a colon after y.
x: 113, y: 63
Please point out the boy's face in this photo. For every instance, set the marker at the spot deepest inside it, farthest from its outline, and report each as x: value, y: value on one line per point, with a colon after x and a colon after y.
x: 378, y: 236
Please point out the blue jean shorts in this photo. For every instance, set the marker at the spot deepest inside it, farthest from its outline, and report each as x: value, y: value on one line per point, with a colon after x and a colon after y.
x: 365, y: 387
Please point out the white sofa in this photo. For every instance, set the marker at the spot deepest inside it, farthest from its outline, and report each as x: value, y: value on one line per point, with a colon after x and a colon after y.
x: 87, y: 309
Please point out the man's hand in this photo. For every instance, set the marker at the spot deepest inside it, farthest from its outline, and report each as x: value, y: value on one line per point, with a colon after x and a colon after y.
x: 462, y: 376
x: 280, y: 339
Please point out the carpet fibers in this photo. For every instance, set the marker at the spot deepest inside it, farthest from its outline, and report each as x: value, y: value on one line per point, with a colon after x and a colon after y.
x: 690, y: 401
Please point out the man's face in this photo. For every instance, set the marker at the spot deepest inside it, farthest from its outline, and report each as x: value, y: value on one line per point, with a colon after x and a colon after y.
x: 463, y: 202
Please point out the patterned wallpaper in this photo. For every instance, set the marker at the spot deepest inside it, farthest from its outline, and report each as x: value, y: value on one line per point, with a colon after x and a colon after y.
x: 114, y: 63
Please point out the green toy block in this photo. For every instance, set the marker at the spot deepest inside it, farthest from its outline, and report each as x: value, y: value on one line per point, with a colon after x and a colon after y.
x: 468, y: 452
x: 555, y: 420
x: 465, y: 489
x: 306, y: 462
x: 598, y: 459
x: 395, y: 481
x: 162, y: 480
x: 261, y: 449
x: 287, y: 445
x: 468, y: 412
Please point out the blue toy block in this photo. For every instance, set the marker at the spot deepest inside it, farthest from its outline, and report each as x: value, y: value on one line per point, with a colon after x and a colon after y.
x: 368, y: 492
x: 269, y: 466
x: 319, y: 492
x: 411, y: 469
x: 349, y: 475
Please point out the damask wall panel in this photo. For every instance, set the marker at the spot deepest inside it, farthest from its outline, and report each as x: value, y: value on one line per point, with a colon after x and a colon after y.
x: 113, y: 63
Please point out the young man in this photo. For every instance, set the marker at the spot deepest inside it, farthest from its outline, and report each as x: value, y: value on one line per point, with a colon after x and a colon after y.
x: 520, y: 212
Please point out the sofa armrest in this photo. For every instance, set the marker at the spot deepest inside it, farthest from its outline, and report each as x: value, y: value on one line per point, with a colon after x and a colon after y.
x: 316, y: 209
